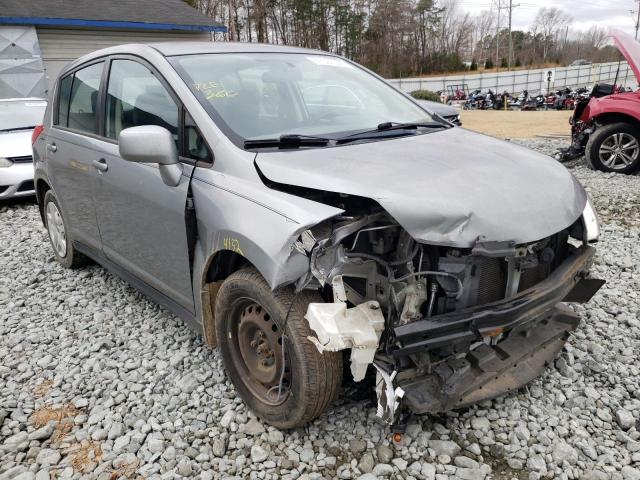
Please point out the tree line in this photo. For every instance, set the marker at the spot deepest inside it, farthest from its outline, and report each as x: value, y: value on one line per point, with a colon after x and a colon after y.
x: 399, y: 38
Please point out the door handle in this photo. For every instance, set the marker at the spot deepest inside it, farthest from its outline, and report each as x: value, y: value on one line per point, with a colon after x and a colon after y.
x: 100, y: 165
x: 52, y: 147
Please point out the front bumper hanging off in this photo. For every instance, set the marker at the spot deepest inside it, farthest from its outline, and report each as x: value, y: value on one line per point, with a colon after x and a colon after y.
x: 534, y: 329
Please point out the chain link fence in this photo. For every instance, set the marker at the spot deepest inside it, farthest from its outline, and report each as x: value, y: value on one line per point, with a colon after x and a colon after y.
x: 534, y: 81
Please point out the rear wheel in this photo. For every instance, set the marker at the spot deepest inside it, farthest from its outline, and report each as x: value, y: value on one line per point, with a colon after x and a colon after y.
x: 59, y: 236
x: 614, y: 148
x: 263, y: 337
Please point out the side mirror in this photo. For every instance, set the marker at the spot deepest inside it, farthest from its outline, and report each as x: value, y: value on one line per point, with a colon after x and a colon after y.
x: 152, y: 144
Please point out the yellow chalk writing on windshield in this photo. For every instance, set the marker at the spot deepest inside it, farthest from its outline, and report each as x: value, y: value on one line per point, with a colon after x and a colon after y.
x: 213, y: 90
x: 221, y: 94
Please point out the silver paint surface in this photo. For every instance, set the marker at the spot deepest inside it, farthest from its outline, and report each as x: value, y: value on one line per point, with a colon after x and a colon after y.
x: 449, y: 187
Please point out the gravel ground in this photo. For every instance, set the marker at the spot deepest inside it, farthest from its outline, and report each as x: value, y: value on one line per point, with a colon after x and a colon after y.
x: 97, y: 381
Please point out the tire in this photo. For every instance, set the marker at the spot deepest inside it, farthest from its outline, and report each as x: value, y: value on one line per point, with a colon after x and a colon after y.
x: 59, y: 237
x: 602, y: 151
x: 311, y: 379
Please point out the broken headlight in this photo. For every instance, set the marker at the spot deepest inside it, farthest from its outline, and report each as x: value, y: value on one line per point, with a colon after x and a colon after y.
x: 591, y: 223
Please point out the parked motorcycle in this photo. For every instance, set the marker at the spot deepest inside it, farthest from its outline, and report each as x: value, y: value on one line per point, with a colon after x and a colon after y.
x: 502, y: 100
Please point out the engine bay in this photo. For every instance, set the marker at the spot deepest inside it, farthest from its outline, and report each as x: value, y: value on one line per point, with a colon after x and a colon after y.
x: 379, y: 284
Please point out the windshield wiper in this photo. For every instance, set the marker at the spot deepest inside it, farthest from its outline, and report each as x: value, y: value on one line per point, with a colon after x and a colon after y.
x: 386, y: 127
x: 288, y: 141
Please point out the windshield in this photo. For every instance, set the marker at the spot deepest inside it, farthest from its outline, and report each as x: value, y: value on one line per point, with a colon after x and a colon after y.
x: 21, y: 114
x: 265, y: 95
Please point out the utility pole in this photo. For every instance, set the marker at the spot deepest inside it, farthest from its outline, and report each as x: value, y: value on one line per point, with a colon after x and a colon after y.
x: 498, y: 37
x: 638, y: 20
x: 511, y: 7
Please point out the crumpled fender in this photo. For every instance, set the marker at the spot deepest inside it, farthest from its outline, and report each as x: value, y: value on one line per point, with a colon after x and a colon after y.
x: 254, y: 221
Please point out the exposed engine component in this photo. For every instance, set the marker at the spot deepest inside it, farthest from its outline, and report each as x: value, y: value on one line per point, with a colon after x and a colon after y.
x: 379, y: 261
x: 413, y: 296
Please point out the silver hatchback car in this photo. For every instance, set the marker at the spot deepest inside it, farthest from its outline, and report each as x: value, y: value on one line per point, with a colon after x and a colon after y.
x: 300, y: 212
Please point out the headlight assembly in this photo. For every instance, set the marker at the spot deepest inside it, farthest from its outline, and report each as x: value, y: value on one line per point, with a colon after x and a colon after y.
x: 5, y: 162
x: 591, y: 223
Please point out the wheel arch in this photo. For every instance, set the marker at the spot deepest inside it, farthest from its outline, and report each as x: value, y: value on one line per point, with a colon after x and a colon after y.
x: 220, y: 264
x: 223, y: 263
x: 42, y: 186
x: 617, y: 117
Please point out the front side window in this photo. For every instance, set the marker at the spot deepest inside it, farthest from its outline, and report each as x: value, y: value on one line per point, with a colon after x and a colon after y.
x: 264, y: 95
x: 83, y: 99
x: 136, y: 97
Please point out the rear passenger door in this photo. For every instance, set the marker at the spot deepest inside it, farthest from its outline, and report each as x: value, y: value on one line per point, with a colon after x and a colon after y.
x: 141, y: 219
x: 72, y: 145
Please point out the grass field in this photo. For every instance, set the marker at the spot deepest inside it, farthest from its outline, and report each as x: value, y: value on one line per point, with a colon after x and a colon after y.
x: 517, y: 124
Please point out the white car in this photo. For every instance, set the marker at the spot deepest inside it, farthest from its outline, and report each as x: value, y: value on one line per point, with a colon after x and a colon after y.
x: 18, y: 118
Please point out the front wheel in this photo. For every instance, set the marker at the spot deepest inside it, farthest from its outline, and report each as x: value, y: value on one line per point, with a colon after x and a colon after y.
x: 614, y: 148
x: 263, y: 337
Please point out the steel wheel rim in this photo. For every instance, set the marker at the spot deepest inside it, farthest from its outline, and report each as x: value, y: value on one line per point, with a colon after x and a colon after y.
x: 619, y: 151
x: 57, y: 233
x: 256, y: 350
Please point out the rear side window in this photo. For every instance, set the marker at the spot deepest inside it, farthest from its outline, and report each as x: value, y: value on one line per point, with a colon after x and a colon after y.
x: 78, y: 99
x: 136, y: 97
x: 83, y: 102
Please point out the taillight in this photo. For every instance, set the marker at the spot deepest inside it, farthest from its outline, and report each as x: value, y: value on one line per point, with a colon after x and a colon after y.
x: 36, y: 133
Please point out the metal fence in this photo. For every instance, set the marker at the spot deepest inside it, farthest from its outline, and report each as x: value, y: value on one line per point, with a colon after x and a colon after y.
x: 532, y: 80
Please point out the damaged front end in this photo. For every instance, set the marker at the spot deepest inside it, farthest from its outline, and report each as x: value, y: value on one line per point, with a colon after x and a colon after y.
x: 443, y: 327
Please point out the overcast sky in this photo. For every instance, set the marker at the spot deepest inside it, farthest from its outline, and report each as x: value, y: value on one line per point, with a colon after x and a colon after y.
x: 585, y: 13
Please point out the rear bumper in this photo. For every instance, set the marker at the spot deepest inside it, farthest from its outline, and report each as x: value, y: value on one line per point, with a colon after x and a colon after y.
x: 535, y: 328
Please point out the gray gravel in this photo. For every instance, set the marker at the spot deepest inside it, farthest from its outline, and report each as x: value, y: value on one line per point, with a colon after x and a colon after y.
x: 98, y: 382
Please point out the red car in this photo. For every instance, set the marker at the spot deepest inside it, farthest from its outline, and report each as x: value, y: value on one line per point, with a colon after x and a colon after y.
x: 606, y: 125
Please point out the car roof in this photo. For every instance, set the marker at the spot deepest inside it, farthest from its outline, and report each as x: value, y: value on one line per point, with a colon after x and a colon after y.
x: 190, y: 48
x: 169, y: 49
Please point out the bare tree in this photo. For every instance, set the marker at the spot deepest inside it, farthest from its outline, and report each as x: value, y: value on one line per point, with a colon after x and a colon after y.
x: 595, y: 37
x: 401, y: 37
x: 549, y: 22
x: 483, y: 28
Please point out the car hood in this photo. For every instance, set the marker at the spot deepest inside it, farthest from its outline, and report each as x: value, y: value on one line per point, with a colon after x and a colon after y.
x: 16, y: 144
x: 451, y: 187
x: 439, y: 108
x: 629, y: 47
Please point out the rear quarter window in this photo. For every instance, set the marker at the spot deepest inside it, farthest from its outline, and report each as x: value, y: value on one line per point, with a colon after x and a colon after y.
x: 64, y: 93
